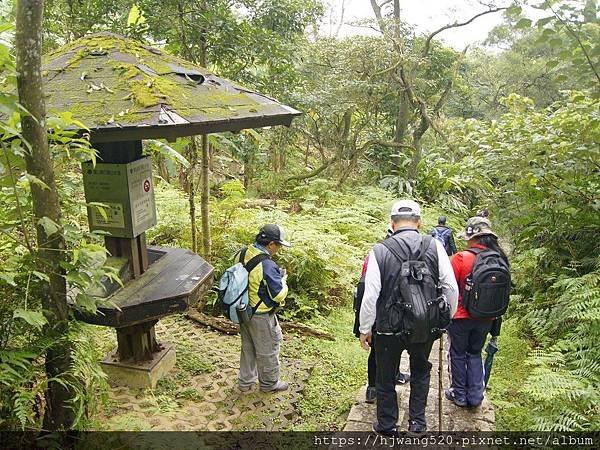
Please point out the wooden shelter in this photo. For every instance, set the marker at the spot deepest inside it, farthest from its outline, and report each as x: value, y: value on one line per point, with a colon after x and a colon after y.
x: 125, y: 91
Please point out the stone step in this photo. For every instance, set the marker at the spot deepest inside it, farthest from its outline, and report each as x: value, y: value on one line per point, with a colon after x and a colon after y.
x: 362, y: 415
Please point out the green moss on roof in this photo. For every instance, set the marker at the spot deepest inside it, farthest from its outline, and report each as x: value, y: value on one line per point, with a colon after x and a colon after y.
x: 110, y: 81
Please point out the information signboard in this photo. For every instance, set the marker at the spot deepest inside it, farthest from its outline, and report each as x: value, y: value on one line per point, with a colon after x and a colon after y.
x: 126, y: 194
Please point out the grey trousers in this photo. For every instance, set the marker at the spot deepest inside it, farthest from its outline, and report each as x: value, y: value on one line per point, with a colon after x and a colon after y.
x: 259, y: 359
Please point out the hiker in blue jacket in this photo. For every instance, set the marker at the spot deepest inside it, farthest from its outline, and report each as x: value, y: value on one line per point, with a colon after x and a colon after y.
x: 261, y: 335
x: 444, y: 234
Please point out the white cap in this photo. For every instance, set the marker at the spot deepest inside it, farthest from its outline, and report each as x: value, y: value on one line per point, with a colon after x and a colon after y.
x: 408, y: 208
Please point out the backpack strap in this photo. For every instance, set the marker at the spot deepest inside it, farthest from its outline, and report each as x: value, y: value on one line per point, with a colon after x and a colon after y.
x: 476, y: 251
x: 392, y: 250
x: 425, y: 244
x: 254, y: 261
x: 249, y: 266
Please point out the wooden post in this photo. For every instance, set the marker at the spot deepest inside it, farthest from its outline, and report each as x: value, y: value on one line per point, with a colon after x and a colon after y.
x: 135, y: 343
x: 134, y: 249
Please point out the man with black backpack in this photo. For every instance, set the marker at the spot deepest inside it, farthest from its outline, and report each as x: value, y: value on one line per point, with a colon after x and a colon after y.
x: 410, y: 296
x: 483, y: 276
x: 260, y: 331
x: 444, y: 234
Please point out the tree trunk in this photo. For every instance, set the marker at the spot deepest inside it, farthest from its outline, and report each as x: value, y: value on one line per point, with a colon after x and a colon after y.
x: 192, y: 192
x: 248, y: 172
x: 228, y: 327
x: 204, y: 198
x: 418, y: 153
x: 163, y: 170
x: 206, y: 244
x: 342, y: 145
x: 589, y: 11
x: 401, y: 129
x: 51, y: 248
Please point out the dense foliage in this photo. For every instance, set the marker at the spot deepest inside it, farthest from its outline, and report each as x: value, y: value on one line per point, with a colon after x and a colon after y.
x: 515, y: 129
x: 543, y: 164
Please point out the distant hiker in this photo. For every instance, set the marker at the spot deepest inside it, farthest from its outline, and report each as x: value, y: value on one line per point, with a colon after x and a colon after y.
x: 261, y: 334
x: 483, y: 277
x: 444, y: 234
x: 401, y: 281
x: 401, y: 378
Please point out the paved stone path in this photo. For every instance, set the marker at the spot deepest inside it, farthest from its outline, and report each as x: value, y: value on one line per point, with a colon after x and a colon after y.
x: 362, y: 415
x: 190, y: 398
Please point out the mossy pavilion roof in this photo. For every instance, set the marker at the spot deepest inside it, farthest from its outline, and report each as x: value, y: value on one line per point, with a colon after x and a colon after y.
x: 124, y: 90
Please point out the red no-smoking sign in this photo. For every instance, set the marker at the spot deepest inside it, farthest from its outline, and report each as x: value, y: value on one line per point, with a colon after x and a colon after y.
x: 146, y: 185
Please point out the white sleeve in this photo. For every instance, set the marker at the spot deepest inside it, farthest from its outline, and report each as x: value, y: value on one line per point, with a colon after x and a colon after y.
x: 447, y: 279
x: 372, y: 289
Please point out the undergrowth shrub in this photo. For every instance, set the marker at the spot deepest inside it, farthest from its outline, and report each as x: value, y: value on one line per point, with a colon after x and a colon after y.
x: 543, y: 164
x: 330, y: 231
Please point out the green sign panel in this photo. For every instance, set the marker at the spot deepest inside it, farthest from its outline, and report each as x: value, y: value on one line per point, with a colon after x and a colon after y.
x: 127, y: 194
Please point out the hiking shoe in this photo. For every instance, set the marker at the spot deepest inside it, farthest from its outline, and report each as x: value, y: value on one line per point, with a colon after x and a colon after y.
x: 415, y: 427
x: 402, y: 378
x: 393, y: 433
x: 458, y: 402
x: 371, y: 394
x: 280, y: 386
x: 244, y: 388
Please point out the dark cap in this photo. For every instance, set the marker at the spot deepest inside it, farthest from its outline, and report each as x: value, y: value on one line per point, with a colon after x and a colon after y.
x: 273, y: 233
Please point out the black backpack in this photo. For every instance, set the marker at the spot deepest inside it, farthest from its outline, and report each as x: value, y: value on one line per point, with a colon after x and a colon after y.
x: 416, y: 307
x: 487, y: 287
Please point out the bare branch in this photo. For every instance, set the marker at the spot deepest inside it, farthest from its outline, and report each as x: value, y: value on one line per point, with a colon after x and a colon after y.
x: 377, y: 11
x: 342, y: 13
x: 456, y: 25
x: 373, y: 142
x: 315, y: 172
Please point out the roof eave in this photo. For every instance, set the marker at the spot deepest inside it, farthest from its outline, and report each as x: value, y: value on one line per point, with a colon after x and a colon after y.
x: 173, y: 131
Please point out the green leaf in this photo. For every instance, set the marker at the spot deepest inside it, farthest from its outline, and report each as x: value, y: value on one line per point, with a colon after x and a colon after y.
x: 523, y: 23
x: 34, y: 318
x: 255, y: 134
x: 135, y: 16
x: 9, y: 277
x: 50, y: 226
x: 540, y: 23
x: 101, y: 207
x: 41, y: 276
x: 514, y: 10
x: 170, y: 153
x: 6, y: 26
x: 36, y: 181
x: 551, y: 64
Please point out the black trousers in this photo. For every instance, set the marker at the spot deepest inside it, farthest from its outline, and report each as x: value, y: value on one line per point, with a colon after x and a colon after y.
x: 388, y: 349
x: 372, y: 363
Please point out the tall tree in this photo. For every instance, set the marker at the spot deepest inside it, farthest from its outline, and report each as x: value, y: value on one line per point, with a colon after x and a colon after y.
x: 46, y: 209
x: 420, y: 100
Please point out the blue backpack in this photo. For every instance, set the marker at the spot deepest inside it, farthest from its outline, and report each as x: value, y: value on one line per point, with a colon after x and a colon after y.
x: 441, y: 235
x: 233, y: 286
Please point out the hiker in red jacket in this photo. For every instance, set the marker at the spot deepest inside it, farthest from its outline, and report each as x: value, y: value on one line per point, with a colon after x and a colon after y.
x: 467, y: 335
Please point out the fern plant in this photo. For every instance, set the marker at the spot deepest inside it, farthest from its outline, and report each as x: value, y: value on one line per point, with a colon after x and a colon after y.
x: 565, y: 380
